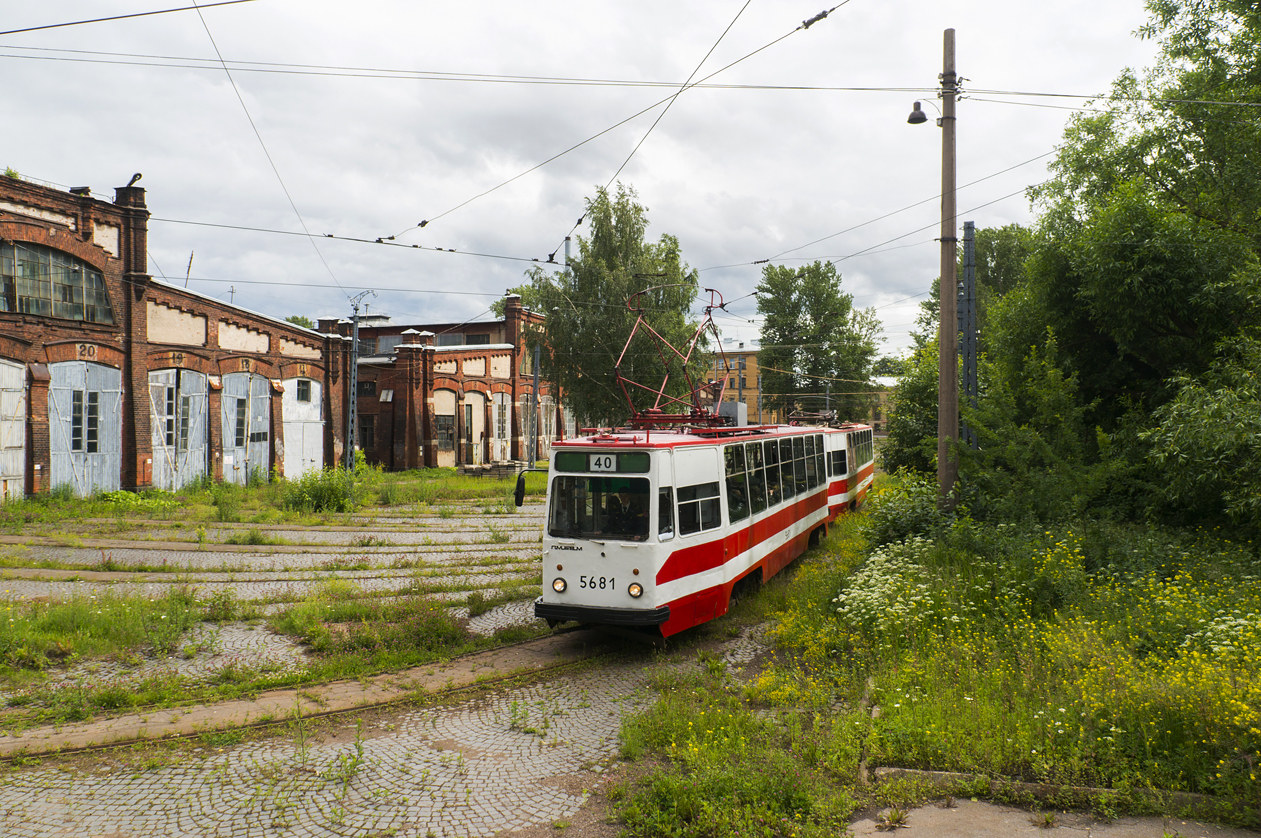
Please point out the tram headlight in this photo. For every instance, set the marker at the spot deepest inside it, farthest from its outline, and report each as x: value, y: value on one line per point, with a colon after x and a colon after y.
x: 559, y: 585
x: 636, y: 590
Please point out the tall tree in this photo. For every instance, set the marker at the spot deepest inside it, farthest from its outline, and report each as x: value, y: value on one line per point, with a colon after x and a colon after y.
x: 1189, y: 128
x: 588, y: 321
x: 1001, y: 254
x: 1142, y: 293
x: 817, y: 349
x: 301, y: 320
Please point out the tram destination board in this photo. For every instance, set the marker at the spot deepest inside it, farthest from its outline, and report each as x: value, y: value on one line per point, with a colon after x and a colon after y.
x: 627, y: 462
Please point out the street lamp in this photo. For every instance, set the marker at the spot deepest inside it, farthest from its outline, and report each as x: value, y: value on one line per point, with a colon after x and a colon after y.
x: 947, y: 368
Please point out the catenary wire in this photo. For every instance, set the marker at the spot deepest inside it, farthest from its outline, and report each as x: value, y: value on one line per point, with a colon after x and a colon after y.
x: 124, y: 17
x: 266, y: 153
x: 804, y: 25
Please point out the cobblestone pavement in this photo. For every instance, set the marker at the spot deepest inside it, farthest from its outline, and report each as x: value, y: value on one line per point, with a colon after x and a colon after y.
x: 445, y: 553
x: 211, y: 648
x: 512, y: 759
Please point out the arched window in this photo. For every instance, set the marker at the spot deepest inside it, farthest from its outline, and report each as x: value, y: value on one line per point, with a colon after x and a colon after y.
x: 42, y: 281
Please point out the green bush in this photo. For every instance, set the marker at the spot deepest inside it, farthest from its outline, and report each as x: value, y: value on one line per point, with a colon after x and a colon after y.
x: 904, y: 507
x: 328, y: 490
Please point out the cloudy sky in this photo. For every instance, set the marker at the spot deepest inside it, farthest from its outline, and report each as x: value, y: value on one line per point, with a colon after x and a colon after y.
x: 494, y: 121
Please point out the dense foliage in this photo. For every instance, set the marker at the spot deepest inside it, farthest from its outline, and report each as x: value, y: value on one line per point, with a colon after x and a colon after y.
x: 1114, y: 663
x: 817, y: 349
x: 588, y: 321
x: 1117, y: 335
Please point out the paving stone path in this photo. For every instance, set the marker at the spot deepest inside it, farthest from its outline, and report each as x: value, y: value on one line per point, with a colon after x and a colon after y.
x: 511, y: 759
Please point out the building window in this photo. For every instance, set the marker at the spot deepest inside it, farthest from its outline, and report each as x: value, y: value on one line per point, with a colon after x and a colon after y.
x: 94, y: 422
x: 368, y: 432
x: 42, y: 281
x: 76, y: 420
x: 449, y: 339
x: 186, y: 409
x: 303, y: 393
x: 168, y: 422
x: 242, y: 405
x: 501, y: 420
x: 477, y: 339
x: 367, y: 388
x: 85, y: 421
x: 444, y: 426
x: 387, y: 395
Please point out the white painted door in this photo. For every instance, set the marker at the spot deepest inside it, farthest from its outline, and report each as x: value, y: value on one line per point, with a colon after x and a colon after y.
x: 12, y: 430
x: 177, y: 402
x: 501, y: 421
x: 85, y: 406
x: 246, y: 416
x: 547, y: 426
x: 475, y: 426
x: 302, y: 412
x: 444, y: 425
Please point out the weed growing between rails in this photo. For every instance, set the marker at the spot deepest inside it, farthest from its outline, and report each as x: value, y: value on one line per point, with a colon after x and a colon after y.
x: 322, y: 495
x: 1093, y: 655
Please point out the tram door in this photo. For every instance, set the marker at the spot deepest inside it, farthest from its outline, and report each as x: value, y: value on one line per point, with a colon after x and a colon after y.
x: 246, y: 426
x: 177, y: 400
x: 12, y: 430
x: 85, y: 408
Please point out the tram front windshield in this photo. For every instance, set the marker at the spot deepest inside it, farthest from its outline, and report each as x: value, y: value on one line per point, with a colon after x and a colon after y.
x: 587, y: 506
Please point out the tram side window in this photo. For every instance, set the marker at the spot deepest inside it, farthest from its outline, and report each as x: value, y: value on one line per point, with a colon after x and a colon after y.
x: 787, y: 476
x: 812, y: 471
x: 737, y: 483
x: 774, y: 488
x: 757, y: 476
x: 665, y: 513
x: 838, y: 463
x: 820, y: 461
x: 799, y: 463
x: 698, y: 508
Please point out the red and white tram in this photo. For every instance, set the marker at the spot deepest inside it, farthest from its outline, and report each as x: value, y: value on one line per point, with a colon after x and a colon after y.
x: 655, y: 528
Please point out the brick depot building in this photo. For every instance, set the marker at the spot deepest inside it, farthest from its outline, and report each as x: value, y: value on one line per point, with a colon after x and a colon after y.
x: 110, y: 379
x: 450, y: 394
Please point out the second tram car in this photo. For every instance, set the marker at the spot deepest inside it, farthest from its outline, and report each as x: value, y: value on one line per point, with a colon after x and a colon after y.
x: 655, y: 528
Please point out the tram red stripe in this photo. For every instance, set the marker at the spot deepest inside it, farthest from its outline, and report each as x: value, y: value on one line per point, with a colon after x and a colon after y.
x: 709, y: 555
x: 698, y: 607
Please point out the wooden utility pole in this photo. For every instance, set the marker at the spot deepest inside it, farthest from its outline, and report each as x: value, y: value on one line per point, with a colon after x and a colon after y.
x: 948, y: 343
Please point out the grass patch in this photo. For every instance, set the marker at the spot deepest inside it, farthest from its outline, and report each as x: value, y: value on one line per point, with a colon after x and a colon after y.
x: 254, y: 536
x: 337, y: 621
x: 1094, y: 655
x: 37, y: 635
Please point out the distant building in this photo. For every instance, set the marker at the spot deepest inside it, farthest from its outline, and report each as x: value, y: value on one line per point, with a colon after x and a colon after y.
x: 737, y: 366
x: 450, y: 394
x: 110, y: 379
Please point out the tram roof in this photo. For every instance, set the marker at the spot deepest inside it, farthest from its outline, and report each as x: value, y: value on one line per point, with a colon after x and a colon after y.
x: 677, y: 437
